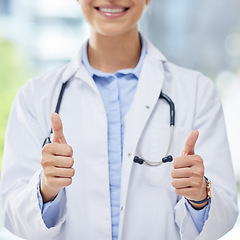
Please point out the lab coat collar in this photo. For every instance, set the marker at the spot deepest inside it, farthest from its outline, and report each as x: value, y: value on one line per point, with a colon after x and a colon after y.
x: 76, y: 69
x: 154, y: 52
x: 73, y: 66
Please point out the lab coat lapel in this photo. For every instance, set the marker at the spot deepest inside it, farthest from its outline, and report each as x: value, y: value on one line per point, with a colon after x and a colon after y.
x: 146, y: 96
x: 84, y: 76
x: 78, y: 70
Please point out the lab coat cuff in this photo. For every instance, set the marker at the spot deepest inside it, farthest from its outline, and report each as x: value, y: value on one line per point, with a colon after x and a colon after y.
x: 184, y: 221
x: 26, y: 208
x: 221, y: 205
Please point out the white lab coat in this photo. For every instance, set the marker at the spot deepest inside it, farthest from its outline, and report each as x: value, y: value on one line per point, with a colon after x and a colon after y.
x: 150, y: 209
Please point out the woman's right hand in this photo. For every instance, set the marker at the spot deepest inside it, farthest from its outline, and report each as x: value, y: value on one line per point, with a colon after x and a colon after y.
x: 57, y: 163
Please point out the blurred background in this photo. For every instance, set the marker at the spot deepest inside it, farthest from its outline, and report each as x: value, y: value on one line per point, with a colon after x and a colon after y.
x: 36, y: 36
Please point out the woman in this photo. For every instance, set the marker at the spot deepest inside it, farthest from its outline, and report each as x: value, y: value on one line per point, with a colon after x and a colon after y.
x: 85, y: 185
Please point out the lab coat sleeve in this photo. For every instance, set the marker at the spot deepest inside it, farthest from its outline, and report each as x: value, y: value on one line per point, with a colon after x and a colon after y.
x: 21, y: 169
x: 212, y: 146
x: 198, y: 216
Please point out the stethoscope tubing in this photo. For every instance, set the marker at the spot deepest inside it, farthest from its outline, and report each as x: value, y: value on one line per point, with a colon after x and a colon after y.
x: 167, y: 158
x: 59, y: 102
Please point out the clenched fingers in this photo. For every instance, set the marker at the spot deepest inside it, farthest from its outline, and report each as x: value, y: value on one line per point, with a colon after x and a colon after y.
x: 57, y: 161
x: 58, y: 182
x: 187, y: 161
x: 187, y: 182
x: 59, y: 172
x: 57, y: 149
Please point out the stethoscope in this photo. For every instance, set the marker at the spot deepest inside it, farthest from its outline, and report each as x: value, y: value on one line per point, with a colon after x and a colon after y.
x: 59, y: 101
x: 167, y: 158
x: 139, y: 160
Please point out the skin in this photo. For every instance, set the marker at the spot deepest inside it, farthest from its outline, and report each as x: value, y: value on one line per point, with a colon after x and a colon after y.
x: 188, y: 173
x: 114, y: 44
x: 57, y: 163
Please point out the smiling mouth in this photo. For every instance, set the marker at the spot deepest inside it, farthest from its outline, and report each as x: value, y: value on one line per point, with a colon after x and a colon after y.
x: 111, y: 10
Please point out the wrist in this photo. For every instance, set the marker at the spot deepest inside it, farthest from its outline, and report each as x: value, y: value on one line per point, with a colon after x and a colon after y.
x: 197, y: 206
x: 48, y: 194
x: 205, y: 199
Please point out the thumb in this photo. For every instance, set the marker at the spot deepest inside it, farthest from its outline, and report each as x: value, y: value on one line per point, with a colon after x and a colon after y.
x: 190, y: 143
x: 57, y: 127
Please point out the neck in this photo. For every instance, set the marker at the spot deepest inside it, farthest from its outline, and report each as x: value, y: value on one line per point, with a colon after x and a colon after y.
x: 112, y: 53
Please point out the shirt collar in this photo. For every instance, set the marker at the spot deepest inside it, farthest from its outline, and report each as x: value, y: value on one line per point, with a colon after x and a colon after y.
x: 135, y: 71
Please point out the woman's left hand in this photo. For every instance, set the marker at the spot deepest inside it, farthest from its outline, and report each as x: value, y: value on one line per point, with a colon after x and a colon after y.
x: 188, y: 173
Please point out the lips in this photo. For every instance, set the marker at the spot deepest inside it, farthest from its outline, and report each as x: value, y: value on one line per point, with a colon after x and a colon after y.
x: 112, y: 10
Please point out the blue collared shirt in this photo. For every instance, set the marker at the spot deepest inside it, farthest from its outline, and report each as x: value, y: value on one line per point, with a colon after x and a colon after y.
x: 117, y: 91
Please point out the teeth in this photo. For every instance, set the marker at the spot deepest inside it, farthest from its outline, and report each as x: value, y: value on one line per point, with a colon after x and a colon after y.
x: 111, y: 10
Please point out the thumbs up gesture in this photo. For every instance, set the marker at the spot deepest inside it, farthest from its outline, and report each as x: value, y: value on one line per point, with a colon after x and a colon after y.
x: 188, y: 173
x: 56, y: 162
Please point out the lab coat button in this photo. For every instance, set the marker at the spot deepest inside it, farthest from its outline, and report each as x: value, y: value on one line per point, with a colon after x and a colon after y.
x: 129, y: 154
x: 121, y: 208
